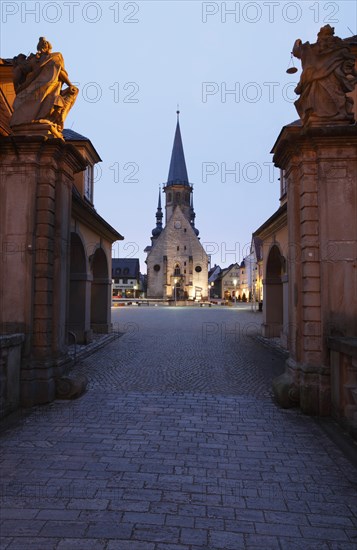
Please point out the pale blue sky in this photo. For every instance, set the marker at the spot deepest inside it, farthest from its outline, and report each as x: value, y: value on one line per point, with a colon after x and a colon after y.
x: 134, y: 61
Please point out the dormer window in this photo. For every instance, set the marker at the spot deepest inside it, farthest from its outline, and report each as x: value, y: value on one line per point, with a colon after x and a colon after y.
x: 88, y: 183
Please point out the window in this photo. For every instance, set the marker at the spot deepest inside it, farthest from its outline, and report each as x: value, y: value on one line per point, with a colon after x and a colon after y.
x: 126, y: 271
x: 198, y: 269
x: 169, y: 197
x: 185, y: 247
x: 283, y: 183
x: 178, y: 197
x: 118, y: 271
x: 156, y: 267
x: 88, y: 183
x: 178, y: 248
x: 177, y: 271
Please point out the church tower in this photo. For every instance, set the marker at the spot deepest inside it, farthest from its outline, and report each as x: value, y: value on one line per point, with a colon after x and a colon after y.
x: 177, y: 263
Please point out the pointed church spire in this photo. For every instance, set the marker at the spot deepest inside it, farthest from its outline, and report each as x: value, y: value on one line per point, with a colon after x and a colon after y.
x: 193, y: 215
x: 159, y: 215
x: 178, y: 170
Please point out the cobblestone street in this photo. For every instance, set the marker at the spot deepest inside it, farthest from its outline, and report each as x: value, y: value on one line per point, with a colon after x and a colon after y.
x: 177, y: 445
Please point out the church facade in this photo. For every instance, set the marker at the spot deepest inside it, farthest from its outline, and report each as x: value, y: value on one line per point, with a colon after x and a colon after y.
x: 177, y: 264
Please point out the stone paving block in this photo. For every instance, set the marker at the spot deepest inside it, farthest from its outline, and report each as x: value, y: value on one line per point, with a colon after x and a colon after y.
x: 88, y: 504
x: 322, y: 520
x: 140, y: 518
x: 129, y: 505
x: 277, y: 529
x: 324, y: 533
x: 129, y: 545
x: 220, y: 512
x: 17, y: 513
x: 239, y: 526
x: 180, y: 521
x: 226, y: 539
x: 283, y: 518
x: 25, y: 528
x: 58, y: 515
x: 35, y: 543
x: 192, y: 510
x: 109, y: 530
x: 85, y: 544
x: 56, y: 528
x: 258, y: 542
x: 287, y: 543
x: 155, y: 533
x: 198, y: 537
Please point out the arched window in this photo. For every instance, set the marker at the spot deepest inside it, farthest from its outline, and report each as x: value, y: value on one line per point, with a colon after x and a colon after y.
x: 177, y: 271
x: 178, y: 197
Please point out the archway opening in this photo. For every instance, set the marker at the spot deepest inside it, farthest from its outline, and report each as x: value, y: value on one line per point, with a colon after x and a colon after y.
x: 100, y: 292
x: 273, y: 294
x: 77, y: 289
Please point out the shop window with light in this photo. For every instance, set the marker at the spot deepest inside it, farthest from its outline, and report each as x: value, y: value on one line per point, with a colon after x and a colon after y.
x: 88, y: 183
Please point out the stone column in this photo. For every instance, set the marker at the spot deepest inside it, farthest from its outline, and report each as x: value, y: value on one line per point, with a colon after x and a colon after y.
x: 321, y: 169
x: 36, y: 188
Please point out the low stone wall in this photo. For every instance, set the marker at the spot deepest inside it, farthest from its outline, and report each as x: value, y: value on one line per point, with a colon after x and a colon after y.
x: 343, y: 359
x: 10, y: 363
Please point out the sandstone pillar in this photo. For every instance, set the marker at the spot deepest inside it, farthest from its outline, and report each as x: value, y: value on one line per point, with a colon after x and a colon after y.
x: 36, y: 189
x: 321, y: 170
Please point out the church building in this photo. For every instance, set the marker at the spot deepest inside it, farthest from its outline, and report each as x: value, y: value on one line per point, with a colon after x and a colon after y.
x: 177, y: 264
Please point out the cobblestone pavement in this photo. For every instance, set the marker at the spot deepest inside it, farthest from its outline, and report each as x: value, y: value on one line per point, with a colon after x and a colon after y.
x: 177, y: 445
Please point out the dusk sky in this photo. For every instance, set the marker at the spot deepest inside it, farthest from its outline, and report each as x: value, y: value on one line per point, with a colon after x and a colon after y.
x: 224, y: 63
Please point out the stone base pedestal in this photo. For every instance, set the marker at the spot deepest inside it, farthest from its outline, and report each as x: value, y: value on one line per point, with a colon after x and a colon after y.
x: 36, y: 179
x: 44, y: 128
x: 320, y: 168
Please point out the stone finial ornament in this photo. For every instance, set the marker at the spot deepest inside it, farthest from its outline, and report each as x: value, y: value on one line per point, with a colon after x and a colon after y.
x: 328, y: 75
x: 41, y: 106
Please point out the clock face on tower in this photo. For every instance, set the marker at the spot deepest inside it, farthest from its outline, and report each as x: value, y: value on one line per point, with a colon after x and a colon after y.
x: 177, y: 224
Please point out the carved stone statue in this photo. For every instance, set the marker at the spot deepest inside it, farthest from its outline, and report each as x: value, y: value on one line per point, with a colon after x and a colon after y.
x: 41, y: 105
x: 328, y: 75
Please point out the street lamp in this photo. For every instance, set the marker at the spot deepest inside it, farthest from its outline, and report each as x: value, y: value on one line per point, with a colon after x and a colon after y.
x: 235, y: 290
x: 135, y: 287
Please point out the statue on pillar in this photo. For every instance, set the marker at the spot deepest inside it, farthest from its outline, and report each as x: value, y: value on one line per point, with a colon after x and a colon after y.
x: 328, y: 75
x: 41, y: 106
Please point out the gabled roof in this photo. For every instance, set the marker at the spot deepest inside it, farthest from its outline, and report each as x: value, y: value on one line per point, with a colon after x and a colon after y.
x: 280, y: 212
x: 125, y: 267
x: 83, y: 211
x: 70, y: 135
x: 178, y: 170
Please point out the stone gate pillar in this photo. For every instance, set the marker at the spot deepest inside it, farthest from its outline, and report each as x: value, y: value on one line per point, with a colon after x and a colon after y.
x: 36, y: 178
x: 320, y: 166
